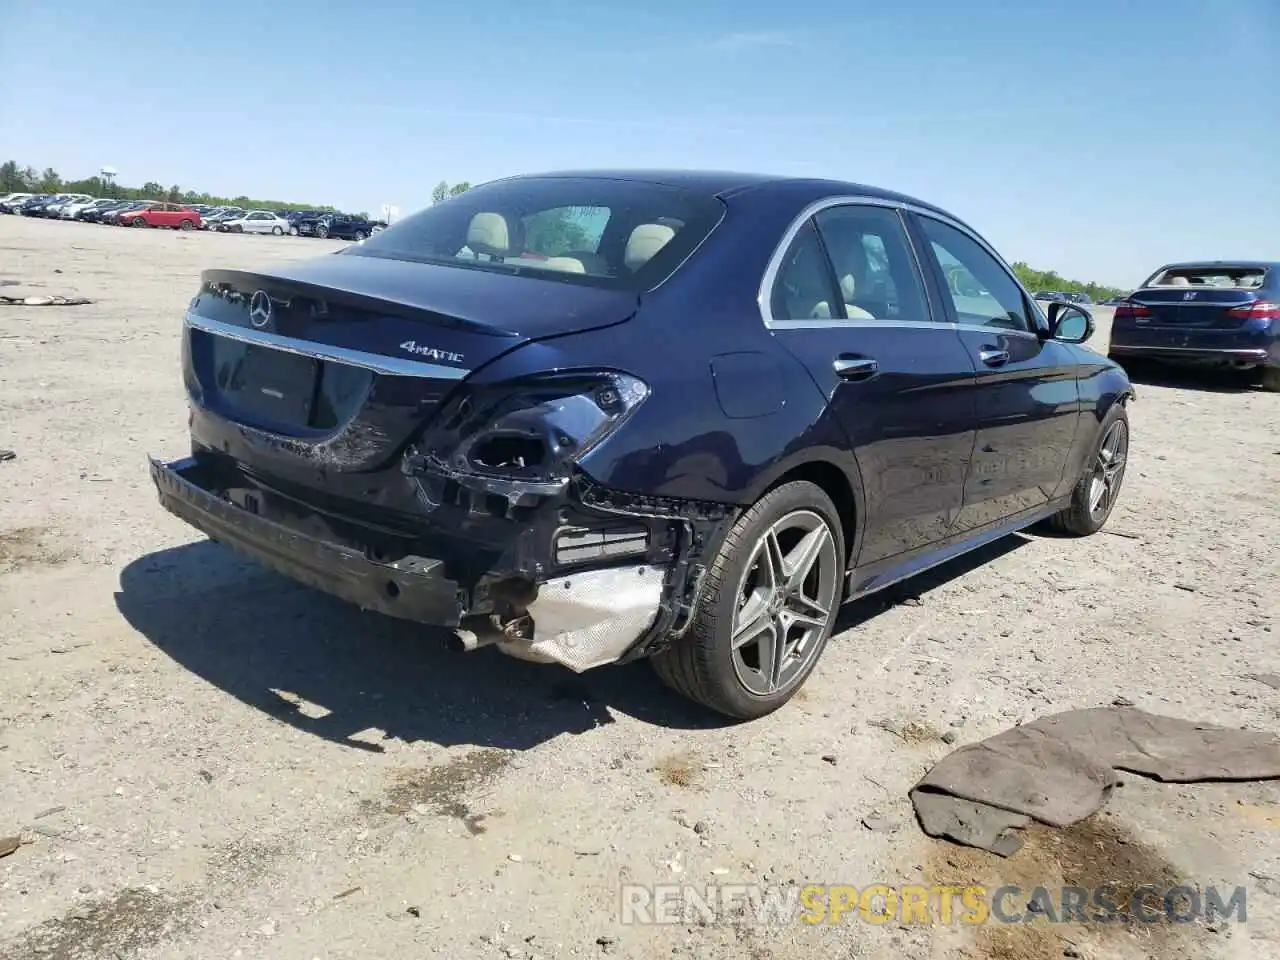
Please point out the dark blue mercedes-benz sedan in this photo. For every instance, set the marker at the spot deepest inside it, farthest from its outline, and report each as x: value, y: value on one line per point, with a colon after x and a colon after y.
x: 592, y: 417
x: 1223, y: 313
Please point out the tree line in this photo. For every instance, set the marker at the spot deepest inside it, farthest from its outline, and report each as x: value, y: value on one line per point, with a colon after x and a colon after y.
x: 1049, y: 280
x: 19, y: 179
x: 556, y: 237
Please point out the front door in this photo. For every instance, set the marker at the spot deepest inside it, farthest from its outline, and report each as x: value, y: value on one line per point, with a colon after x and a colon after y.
x: 851, y: 305
x: 1027, y: 397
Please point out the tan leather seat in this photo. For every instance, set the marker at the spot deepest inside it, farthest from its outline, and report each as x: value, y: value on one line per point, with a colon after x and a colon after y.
x: 562, y: 264
x: 849, y: 290
x: 645, y: 241
x: 489, y: 235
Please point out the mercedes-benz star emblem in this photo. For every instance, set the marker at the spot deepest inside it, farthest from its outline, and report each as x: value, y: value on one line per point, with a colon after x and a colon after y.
x: 260, y: 309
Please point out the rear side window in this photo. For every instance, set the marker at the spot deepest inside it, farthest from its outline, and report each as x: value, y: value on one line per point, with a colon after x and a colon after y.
x: 623, y: 234
x: 804, y: 289
x: 874, y: 267
x: 981, y: 290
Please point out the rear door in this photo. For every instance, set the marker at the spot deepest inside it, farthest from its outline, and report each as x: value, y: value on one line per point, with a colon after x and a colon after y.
x: 1026, y: 394
x: 850, y: 303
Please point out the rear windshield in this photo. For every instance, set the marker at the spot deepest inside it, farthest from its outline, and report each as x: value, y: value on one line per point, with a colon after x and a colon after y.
x: 1222, y: 276
x: 621, y: 234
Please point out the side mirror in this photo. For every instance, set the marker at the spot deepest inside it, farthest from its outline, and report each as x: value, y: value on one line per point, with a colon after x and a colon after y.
x: 1069, y: 322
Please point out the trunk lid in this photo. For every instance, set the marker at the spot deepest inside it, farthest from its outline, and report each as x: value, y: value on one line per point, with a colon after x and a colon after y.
x: 1192, y: 308
x: 332, y: 365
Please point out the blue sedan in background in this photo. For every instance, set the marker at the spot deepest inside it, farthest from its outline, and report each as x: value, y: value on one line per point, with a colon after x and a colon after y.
x: 1224, y: 313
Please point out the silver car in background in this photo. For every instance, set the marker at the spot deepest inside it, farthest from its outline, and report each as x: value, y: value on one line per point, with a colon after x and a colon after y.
x: 256, y: 221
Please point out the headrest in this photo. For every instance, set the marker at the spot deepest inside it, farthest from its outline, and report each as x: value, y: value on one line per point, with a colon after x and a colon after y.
x: 645, y: 241
x: 488, y: 234
x: 563, y: 264
x: 849, y: 287
x: 1179, y: 282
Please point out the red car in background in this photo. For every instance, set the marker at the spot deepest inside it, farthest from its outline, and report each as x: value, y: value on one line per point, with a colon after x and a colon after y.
x: 173, y: 215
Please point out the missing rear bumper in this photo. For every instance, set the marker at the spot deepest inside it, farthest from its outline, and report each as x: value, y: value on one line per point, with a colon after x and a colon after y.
x: 411, y: 588
x: 589, y: 619
x: 580, y: 619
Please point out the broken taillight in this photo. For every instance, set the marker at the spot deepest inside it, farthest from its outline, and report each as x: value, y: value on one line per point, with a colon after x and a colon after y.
x: 521, y: 439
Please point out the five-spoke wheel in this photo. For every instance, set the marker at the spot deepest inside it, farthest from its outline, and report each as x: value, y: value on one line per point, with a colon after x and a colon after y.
x: 786, y: 597
x: 1096, y: 492
x: 770, y: 598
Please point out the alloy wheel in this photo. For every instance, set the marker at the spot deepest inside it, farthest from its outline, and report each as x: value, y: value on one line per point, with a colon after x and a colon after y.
x: 786, y: 600
x: 1108, y: 471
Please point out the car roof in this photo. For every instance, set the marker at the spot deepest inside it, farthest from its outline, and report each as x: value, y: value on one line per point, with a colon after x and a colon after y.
x: 1200, y: 264
x: 725, y: 184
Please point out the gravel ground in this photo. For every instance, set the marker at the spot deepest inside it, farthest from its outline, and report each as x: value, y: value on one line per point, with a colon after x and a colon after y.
x: 208, y: 761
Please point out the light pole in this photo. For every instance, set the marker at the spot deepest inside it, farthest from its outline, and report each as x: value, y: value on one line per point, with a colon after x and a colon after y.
x: 108, y: 175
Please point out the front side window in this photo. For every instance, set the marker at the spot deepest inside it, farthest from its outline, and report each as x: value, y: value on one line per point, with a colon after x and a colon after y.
x: 982, y: 291
x: 874, y: 266
x: 600, y: 232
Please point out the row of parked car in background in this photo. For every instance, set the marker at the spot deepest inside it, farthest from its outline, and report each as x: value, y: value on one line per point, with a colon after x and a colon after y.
x: 190, y: 216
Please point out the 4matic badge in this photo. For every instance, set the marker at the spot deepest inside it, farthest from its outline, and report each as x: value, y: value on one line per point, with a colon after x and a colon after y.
x: 434, y: 353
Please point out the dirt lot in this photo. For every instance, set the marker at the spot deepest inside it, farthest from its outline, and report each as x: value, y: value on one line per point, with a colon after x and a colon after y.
x: 208, y: 761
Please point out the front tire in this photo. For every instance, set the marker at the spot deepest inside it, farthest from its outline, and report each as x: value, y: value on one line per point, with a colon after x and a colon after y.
x: 1095, y: 494
x: 1270, y: 379
x: 769, y: 602
x: 277, y: 232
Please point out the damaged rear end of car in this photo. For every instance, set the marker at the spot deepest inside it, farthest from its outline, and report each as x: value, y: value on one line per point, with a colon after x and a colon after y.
x: 366, y: 424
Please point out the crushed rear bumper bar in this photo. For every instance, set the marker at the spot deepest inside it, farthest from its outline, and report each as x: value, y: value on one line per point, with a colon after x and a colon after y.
x: 412, y: 588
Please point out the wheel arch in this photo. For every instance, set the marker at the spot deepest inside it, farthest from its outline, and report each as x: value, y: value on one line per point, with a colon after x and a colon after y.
x: 835, y: 474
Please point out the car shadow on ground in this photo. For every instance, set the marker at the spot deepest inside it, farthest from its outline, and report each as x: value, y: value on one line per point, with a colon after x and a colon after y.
x: 1208, y: 379
x: 287, y: 650
x: 915, y: 590
x: 274, y: 645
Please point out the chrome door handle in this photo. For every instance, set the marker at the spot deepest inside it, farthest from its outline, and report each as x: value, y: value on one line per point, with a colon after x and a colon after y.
x: 854, y: 368
x: 994, y: 358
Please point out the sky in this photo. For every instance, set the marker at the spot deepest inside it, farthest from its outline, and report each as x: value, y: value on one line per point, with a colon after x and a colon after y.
x: 1094, y: 137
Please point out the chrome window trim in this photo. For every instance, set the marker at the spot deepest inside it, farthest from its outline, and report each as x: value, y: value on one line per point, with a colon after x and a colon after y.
x: 764, y: 295
x: 898, y: 324
x: 376, y: 362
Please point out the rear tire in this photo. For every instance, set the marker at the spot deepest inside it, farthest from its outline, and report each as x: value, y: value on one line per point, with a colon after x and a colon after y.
x: 1099, y: 486
x: 779, y: 572
x: 1270, y: 379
